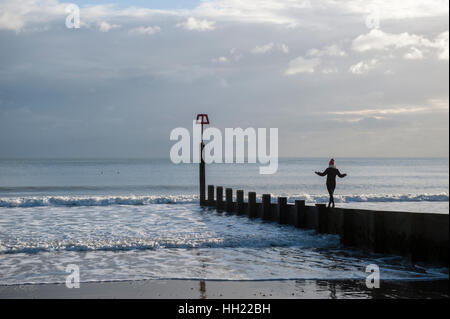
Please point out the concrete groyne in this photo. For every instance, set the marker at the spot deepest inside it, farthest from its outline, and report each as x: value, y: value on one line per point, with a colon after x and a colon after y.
x: 419, y: 236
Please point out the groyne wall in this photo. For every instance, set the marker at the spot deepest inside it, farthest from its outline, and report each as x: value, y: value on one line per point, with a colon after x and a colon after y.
x: 422, y: 237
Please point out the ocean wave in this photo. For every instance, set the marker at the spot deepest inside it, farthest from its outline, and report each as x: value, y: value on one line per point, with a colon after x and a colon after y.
x: 374, y: 198
x: 69, y: 201
x: 306, y: 239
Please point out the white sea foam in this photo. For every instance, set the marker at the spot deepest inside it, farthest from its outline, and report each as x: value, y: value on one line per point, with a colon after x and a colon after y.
x: 128, y: 220
x: 307, y: 239
x: 380, y: 198
x: 68, y: 201
x: 126, y: 242
x: 38, y: 201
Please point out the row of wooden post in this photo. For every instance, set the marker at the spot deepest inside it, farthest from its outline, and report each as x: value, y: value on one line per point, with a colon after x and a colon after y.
x: 239, y: 206
x: 421, y: 237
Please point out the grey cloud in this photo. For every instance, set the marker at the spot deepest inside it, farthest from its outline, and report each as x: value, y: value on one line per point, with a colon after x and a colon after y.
x: 89, y: 93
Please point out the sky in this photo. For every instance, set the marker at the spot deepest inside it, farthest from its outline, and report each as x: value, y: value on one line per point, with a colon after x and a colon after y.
x: 350, y: 78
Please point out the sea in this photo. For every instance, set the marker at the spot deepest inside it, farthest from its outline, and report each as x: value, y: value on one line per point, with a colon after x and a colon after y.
x: 136, y: 219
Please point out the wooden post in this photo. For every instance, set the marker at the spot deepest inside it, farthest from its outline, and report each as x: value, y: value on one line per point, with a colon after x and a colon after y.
x: 202, y: 173
x: 300, y: 220
x: 204, y: 120
x: 322, y: 218
x: 251, y: 204
x: 210, y: 195
x: 266, y: 206
x: 229, y: 199
x: 240, y: 201
x: 282, y: 210
x: 219, y: 197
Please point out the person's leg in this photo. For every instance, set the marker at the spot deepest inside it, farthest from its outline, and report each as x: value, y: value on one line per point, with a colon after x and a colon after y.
x: 330, y: 193
x: 332, y: 198
x: 331, y: 188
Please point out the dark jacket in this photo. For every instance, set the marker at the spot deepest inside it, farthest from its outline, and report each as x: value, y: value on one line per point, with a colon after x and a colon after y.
x: 331, y: 173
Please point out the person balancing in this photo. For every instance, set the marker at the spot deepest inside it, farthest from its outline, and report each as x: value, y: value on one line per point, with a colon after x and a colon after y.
x: 331, y: 172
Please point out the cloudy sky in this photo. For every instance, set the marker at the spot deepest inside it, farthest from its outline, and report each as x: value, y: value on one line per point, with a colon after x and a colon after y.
x: 338, y: 78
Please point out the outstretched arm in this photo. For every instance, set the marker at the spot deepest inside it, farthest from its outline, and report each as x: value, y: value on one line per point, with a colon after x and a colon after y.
x: 322, y: 174
x: 341, y: 175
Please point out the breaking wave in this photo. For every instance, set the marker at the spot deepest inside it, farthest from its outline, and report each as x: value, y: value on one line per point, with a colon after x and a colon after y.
x: 68, y: 201
x: 305, y: 239
x: 380, y: 198
x: 37, y: 201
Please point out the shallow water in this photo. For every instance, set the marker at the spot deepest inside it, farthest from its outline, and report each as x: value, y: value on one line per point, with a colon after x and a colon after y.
x: 176, y: 241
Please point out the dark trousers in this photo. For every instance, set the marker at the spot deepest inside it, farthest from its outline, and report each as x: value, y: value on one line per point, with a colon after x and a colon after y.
x: 330, y: 188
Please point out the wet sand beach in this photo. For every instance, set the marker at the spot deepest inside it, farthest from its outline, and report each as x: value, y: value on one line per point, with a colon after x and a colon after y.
x: 211, y: 289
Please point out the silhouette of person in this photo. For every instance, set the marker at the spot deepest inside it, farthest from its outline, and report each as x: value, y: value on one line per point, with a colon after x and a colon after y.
x: 331, y: 172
